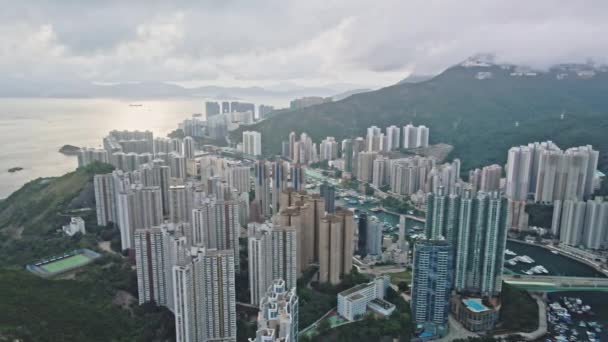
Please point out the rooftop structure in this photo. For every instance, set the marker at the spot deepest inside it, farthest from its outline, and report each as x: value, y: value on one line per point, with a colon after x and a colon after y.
x: 353, y: 303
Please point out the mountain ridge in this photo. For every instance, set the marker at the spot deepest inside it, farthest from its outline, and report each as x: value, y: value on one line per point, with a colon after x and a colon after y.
x: 480, y: 109
x: 11, y: 87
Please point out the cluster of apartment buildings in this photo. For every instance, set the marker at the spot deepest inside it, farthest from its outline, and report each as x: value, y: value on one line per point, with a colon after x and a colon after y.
x: 542, y: 173
x: 181, y: 212
x: 460, y: 260
x: 181, y: 224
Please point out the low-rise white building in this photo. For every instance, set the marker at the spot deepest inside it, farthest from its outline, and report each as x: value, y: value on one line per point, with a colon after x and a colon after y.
x: 352, y: 303
x: 76, y: 225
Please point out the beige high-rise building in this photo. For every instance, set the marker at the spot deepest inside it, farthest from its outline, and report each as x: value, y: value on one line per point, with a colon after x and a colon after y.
x: 289, y: 197
x: 290, y: 217
x: 313, y: 216
x: 330, y: 256
x: 335, y: 246
x: 348, y: 237
x: 304, y: 212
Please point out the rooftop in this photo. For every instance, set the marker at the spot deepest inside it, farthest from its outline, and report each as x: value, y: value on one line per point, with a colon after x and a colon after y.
x: 382, y: 303
x: 356, y: 296
x: 353, y: 289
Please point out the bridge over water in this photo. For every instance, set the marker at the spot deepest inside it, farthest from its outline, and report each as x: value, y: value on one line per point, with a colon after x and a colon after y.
x: 556, y: 283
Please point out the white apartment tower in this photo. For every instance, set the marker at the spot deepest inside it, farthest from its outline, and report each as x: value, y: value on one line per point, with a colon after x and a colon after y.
x: 380, y: 171
x: 414, y: 137
x: 328, y: 149
x: 252, y: 143
x: 138, y: 207
x: 105, y: 202
x: 365, y: 166
x: 189, y: 147
x: 177, y: 163
x: 262, y: 187
x: 393, y: 138
x: 150, y: 260
x: 215, y: 224
x: 180, y: 204
x: 205, y: 297
x: 238, y: 178
x: 273, y: 254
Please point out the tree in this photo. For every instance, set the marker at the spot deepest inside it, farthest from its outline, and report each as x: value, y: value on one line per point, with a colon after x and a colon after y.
x: 323, y: 326
x: 403, y: 286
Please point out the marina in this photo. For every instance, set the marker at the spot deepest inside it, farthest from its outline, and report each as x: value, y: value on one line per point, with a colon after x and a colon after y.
x: 574, y: 316
x: 554, y: 264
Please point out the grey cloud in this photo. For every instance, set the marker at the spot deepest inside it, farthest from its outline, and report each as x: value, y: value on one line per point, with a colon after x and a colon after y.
x: 314, y: 42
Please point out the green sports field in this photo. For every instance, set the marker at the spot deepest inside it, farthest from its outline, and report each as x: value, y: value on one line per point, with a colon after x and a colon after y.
x: 67, y: 263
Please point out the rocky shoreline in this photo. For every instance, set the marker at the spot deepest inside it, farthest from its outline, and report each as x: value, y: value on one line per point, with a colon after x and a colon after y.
x: 69, y: 150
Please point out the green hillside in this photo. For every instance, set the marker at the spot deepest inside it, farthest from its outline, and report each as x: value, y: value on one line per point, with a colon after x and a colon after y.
x: 99, y: 302
x: 34, y: 209
x: 36, y: 309
x: 476, y: 116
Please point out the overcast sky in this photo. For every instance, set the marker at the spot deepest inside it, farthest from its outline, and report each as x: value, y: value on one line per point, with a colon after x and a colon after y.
x: 265, y: 42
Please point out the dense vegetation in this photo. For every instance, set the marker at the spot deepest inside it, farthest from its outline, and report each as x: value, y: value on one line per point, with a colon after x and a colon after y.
x: 477, y: 117
x: 36, y: 309
x: 394, y: 204
x: 518, y: 311
x: 398, y: 325
x: 99, y: 302
x: 31, y: 217
x: 317, y: 299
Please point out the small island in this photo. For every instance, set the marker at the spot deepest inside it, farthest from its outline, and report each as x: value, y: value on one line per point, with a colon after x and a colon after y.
x: 69, y: 150
x: 15, y: 169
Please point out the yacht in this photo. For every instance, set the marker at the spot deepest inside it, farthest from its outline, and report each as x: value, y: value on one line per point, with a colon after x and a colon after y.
x: 539, y: 269
x: 526, y: 259
x: 510, y: 252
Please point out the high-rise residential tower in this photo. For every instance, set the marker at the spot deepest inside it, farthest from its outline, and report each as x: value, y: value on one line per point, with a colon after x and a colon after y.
x: 105, y: 202
x: 205, y: 297
x: 262, y: 187
x: 273, y: 254
x: 432, y: 284
x: 393, y: 138
x: 189, y: 147
x: 328, y: 192
x: 252, y: 143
